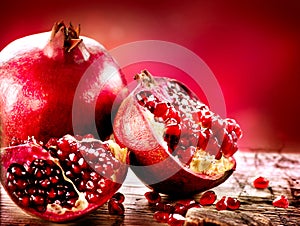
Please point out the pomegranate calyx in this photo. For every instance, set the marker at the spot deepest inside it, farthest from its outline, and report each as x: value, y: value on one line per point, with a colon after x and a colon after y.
x: 146, y: 78
x: 63, y: 40
x: 71, y: 35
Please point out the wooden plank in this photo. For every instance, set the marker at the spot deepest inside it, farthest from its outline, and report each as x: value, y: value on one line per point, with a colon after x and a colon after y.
x: 283, y: 170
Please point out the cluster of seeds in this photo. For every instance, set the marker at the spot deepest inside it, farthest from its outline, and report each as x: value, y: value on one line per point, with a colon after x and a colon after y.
x: 189, y: 125
x: 39, y: 185
x: 86, y: 163
x: 174, y: 214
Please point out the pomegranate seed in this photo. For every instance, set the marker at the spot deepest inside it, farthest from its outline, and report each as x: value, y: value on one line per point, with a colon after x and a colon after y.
x: 164, y: 207
x: 206, y: 119
x: 92, y: 196
x: 176, y: 220
x: 119, y: 197
x: 180, y: 209
x: 17, y: 170
x: 208, y: 198
x: 261, y: 183
x: 233, y: 203
x: 115, y: 207
x: 161, y: 217
x: 221, y: 205
x: 173, y: 114
x: 161, y: 109
x: 281, y: 202
x: 152, y: 197
x: 173, y: 130
x: 151, y: 105
x: 24, y: 201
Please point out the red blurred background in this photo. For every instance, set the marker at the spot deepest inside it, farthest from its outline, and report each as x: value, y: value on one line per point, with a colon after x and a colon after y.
x: 252, y: 47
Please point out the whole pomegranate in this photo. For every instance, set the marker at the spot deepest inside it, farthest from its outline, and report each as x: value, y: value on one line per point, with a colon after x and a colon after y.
x: 64, y: 179
x: 178, y: 145
x: 43, y: 76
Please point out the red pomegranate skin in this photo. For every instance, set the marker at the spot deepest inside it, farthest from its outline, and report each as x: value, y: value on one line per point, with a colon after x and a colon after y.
x: 39, y: 75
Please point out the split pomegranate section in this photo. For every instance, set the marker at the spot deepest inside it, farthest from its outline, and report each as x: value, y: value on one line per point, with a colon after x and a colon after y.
x: 179, y: 146
x: 64, y: 179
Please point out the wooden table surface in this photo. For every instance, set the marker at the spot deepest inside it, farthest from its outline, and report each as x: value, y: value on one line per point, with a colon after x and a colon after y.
x: 283, y: 170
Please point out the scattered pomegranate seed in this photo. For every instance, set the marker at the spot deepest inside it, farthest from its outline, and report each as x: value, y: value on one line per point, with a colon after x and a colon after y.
x: 233, y: 203
x: 208, y: 198
x: 261, y: 183
x: 165, y: 207
x: 281, y: 201
x: 161, y: 217
x: 180, y: 209
x: 221, y: 204
x: 115, y: 207
x: 152, y: 197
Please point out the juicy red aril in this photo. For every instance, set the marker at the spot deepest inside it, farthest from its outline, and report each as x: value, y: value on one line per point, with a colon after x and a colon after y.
x: 221, y: 204
x: 161, y: 217
x: 281, y: 202
x: 233, y: 203
x: 161, y: 110
x: 119, y: 197
x: 85, y: 171
x: 180, y: 209
x: 261, y: 183
x: 115, y: 207
x: 164, y: 207
x: 208, y: 198
x: 152, y: 197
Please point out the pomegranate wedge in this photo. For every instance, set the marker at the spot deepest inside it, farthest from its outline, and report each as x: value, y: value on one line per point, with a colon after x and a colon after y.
x: 179, y: 146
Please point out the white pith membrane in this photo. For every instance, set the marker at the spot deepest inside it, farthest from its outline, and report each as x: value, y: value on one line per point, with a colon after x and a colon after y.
x: 202, y: 162
x: 81, y: 203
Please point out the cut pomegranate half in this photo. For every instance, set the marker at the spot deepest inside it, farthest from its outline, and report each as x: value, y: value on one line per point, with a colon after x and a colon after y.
x: 64, y: 179
x: 178, y: 145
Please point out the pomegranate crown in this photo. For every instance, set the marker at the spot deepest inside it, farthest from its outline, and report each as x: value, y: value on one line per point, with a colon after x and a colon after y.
x: 71, y: 34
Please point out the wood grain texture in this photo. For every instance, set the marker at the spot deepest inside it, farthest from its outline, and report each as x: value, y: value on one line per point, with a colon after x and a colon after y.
x: 283, y: 170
